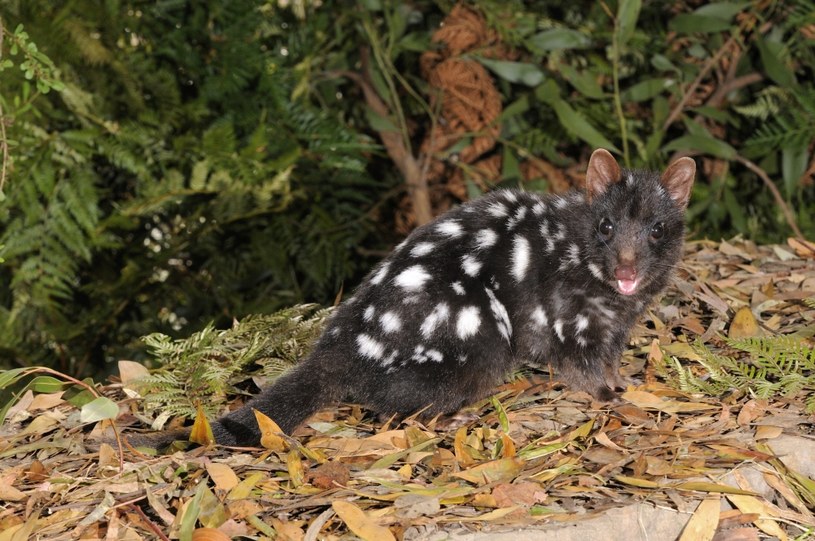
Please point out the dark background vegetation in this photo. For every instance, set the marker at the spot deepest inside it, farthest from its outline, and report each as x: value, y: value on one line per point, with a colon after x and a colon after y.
x: 171, y: 163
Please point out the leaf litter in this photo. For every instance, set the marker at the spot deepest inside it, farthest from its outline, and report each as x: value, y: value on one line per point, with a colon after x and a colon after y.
x: 533, y: 455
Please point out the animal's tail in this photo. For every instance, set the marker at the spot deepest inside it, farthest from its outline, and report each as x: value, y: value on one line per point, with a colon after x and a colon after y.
x: 291, y: 399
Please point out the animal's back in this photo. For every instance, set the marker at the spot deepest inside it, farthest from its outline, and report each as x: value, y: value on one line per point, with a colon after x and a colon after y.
x: 509, y: 278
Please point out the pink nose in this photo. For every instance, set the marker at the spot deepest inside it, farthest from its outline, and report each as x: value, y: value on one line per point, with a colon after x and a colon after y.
x: 625, y: 272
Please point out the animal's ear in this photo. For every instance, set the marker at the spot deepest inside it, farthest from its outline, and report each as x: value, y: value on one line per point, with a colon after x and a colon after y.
x: 603, y: 171
x: 678, y: 180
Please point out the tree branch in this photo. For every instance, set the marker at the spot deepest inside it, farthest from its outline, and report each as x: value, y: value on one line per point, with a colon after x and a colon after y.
x: 779, y: 199
x: 408, y: 165
x: 677, y: 110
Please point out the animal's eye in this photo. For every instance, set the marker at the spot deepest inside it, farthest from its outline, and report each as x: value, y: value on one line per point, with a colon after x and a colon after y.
x: 606, y: 228
x: 658, y: 231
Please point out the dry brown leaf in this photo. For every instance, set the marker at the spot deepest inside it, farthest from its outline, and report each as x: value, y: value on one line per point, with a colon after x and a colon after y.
x: 681, y: 350
x: 744, y: 324
x: 288, y: 531
x: 752, y: 504
x: 222, y: 475
x: 42, y: 424
x: 359, y: 523
x: 503, y: 469
x: 525, y: 493
x: 209, y: 534
x: 657, y: 466
x: 768, y: 432
x: 646, y: 400
x: 36, y: 472
x: 750, y: 411
x: 294, y: 465
x: 702, y: 525
x: 416, y: 505
x: 462, y: 453
x: 270, y: 433
x: 130, y: 371
x: 508, y: 449
x: 201, y: 431
x: 7, y: 492
x: 331, y: 474
x: 603, y: 439
x: 46, y: 401
x: 245, y: 487
x: 803, y: 248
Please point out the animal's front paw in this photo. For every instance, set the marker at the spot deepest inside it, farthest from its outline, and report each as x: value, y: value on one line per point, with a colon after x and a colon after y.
x: 606, y: 394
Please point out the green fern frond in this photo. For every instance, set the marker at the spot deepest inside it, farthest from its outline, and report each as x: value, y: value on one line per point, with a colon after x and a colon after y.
x: 763, y: 367
x: 790, y: 123
x: 203, y: 367
x: 53, y: 234
x: 769, y: 102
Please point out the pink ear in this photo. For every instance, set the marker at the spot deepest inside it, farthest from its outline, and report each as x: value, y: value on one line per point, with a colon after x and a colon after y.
x: 603, y: 171
x: 678, y: 180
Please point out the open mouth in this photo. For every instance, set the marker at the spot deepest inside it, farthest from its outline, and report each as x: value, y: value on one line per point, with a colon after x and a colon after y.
x: 628, y: 287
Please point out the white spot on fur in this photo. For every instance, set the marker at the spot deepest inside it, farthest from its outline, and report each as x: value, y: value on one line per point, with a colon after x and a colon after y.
x: 571, y: 258
x: 368, y: 314
x: 519, y: 215
x: 501, y: 315
x: 539, y: 317
x: 544, y: 228
x: 539, y: 208
x: 412, y: 278
x: 559, y: 329
x: 509, y: 195
x: 387, y: 361
x: 581, y: 341
x: 561, y: 202
x: 468, y: 322
x: 335, y: 331
x: 595, y: 271
x: 485, y: 238
x: 497, y: 209
x: 380, y: 274
x: 554, y: 237
x: 470, y: 265
x: 581, y: 322
x: 439, y: 315
x: 370, y: 348
x: 434, y: 355
x: 421, y: 355
x: 458, y: 288
x: 390, y: 322
x: 423, y: 248
x: 450, y: 228
x: 520, y: 257
x: 418, y: 354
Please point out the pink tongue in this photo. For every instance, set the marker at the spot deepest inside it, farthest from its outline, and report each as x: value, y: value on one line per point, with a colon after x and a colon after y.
x: 627, y: 287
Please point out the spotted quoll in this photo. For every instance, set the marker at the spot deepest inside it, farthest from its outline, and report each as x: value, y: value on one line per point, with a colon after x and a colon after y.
x: 508, y: 278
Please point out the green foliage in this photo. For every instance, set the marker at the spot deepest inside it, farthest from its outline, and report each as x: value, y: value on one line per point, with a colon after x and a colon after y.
x: 170, y: 179
x: 766, y: 367
x: 167, y: 165
x: 205, y: 366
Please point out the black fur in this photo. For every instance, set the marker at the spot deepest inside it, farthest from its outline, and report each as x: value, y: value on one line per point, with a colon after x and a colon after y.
x: 554, y: 309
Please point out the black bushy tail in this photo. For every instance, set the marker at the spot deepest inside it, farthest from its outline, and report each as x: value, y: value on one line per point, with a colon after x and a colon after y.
x: 291, y: 399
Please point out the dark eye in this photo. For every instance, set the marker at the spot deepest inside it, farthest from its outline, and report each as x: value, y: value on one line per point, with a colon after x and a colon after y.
x: 606, y: 228
x: 658, y: 231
